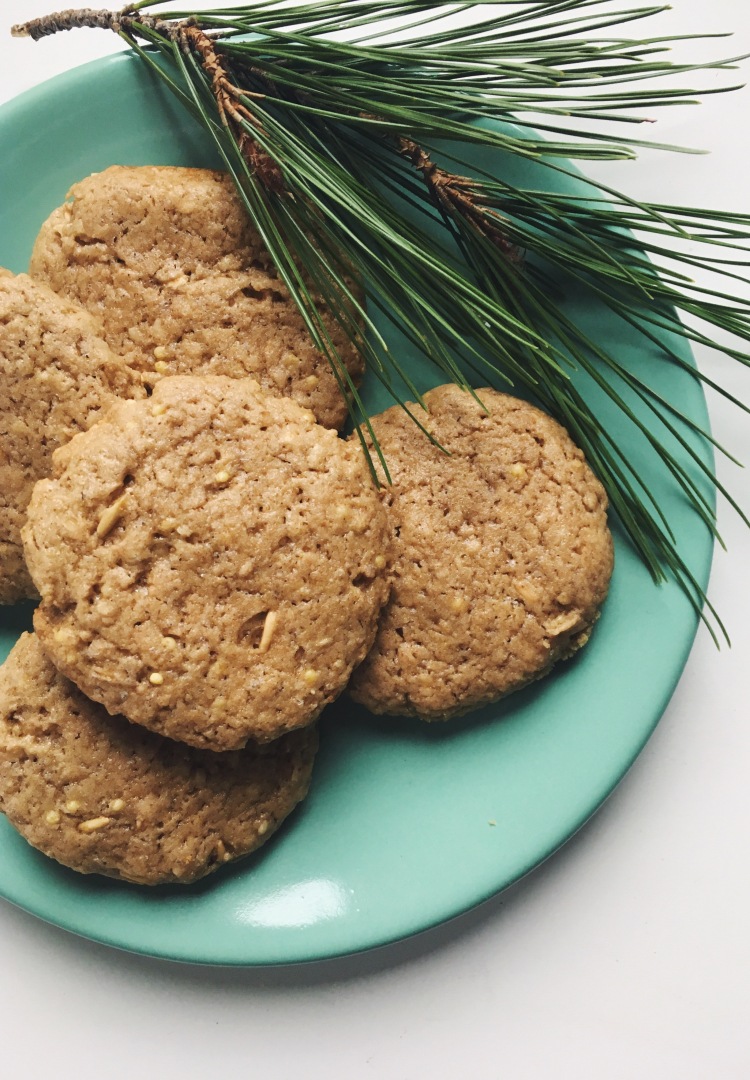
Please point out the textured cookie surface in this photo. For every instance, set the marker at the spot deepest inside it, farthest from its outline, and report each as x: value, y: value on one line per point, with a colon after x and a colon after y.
x: 56, y: 376
x: 167, y: 260
x: 211, y: 561
x: 502, y: 555
x: 105, y: 796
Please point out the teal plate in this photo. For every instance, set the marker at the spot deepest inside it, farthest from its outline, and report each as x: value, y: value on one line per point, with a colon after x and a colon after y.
x: 396, y: 834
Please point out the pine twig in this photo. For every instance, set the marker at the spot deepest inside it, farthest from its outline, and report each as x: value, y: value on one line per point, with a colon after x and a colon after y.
x: 229, y: 99
x: 455, y: 194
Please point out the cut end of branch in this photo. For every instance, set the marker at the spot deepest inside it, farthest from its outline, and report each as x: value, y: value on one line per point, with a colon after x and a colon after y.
x: 87, y: 18
x: 67, y: 20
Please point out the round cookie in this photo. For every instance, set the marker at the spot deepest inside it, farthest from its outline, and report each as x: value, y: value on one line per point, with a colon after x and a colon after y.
x: 56, y: 376
x: 104, y: 796
x: 167, y: 259
x: 502, y: 555
x: 211, y: 562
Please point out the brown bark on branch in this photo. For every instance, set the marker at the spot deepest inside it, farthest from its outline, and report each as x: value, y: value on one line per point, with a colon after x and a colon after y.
x: 79, y: 18
x: 232, y: 111
x: 455, y: 194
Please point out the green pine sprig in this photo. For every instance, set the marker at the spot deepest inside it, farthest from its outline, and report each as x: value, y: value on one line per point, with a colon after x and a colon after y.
x: 329, y: 119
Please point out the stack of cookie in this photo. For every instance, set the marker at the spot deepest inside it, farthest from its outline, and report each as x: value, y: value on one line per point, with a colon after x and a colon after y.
x: 214, y: 562
x: 143, y: 273
x: 211, y: 561
x: 211, y: 565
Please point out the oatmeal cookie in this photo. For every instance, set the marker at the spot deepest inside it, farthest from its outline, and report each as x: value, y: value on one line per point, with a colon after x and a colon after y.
x: 167, y: 259
x: 502, y: 555
x: 211, y: 562
x: 56, y: 376
x: 105, y: 796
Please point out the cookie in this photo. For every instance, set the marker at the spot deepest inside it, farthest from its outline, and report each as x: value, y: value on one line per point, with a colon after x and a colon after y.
x: 56, y: 376
x: 104, y: 796
x: 167, y: 259
x: 211, y: 562
x: 502, y: 555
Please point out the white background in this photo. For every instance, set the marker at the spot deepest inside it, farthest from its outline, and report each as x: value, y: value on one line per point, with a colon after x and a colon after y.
x: 627, y: 955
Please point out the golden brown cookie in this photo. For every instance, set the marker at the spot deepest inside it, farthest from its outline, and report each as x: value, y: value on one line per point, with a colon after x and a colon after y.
x: 56, y: 376
x: 104, y: 796
x: 211, y: 562
x: 168, y: 261
x: 502, y: 555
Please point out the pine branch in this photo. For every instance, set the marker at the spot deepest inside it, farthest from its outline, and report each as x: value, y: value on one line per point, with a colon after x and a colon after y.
x: 328, y: 123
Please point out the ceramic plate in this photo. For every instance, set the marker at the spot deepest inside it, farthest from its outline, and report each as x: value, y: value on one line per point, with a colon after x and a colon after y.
x: 396, y: 834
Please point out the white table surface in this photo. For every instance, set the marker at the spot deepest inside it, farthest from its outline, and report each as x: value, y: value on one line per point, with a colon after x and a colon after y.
x: 627, y: 955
